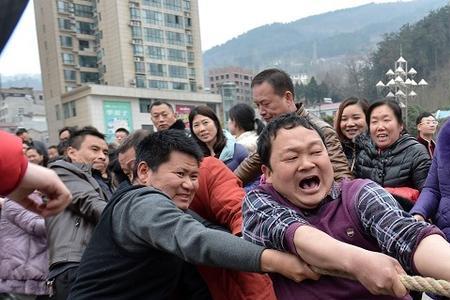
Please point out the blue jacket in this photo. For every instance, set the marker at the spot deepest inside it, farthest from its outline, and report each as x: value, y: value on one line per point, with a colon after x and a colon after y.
x: 434, y: 200
x: 233, y: 153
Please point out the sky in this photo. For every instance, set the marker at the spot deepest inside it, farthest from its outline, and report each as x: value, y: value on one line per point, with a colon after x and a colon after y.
x: 220, y: 21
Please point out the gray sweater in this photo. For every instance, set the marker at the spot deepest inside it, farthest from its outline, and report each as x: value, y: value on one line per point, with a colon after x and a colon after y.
x: 149, y: 219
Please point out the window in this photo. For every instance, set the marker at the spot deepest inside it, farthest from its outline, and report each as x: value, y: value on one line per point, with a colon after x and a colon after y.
x: 156, y: 69
x: 227, y: 76
x: 188, y: 22
x: 138, y: 50
x: 155, y: 52
x: 173, y: 21
x: 85, y: 11
x: 177, y: 71
x: 152, y: 17
x: 83, y: 44
x: 144, y: 105
x: 176, y: 55
x: 191, y: 72
x: 88, y: 61
x: 136, y: 32
x: 211, y: 78
x: 70, y: 75
x: 158, y: 84
x: 179, y: 85
x: 69, y: 110
x: 65, y: 24
x: 67, y: 58
x: 172, y: 4
x: 64, y: 7
x: 153, y: 35
x: 139, y: 67
x: 154, y: 3
x: 175, y: 38
x: 135, y: 13
x: 140, y: 81
x: 66, y: 41
x: 57, y: 112
x: 85, y: 27
x: 190, y: 40
x: 89, y: 77
x: 186, y: 4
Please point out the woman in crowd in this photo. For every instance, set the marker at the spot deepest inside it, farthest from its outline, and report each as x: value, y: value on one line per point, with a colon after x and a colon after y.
x: 36, y: 156
x: 434, y: 200
x: 351, y: 124
x: 394, y: 159
x: 244, y: 125
x: 23, y: 246
x: 214, y: 141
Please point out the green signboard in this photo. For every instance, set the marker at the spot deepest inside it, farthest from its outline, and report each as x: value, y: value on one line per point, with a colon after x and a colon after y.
x: 116, y: 115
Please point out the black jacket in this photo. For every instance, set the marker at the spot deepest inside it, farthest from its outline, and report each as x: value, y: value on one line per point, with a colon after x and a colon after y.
x: 403, y: 164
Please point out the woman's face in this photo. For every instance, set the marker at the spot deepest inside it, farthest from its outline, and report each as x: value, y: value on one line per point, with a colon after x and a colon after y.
x: 34, y: 157
x: 205, y: 129
x: 353, y: 121
x: 384, y: 127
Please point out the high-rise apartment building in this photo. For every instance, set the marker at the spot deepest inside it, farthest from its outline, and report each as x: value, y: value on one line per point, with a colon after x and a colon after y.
x: 149, y: 44
x: 240, y: 77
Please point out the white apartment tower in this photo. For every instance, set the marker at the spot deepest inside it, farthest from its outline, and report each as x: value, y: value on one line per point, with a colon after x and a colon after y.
x: 150, y: 44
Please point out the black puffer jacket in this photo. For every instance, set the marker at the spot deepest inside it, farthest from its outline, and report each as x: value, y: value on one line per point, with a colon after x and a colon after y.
x: 403, y: 164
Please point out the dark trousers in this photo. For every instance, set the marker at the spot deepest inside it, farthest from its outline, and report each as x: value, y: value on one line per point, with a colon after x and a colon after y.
x: 63, y: 283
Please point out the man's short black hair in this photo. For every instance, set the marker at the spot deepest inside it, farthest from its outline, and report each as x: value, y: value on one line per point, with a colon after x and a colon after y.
x: 121, y: 129
x: 158, y: 103
x: 21, y: 131
x: 70, y: 129
x: 132, y: 141
x: 285, y: 121
x: 156, y: 148
x: 278, y: 79
x: 425, y: 114
x: 77, y: 138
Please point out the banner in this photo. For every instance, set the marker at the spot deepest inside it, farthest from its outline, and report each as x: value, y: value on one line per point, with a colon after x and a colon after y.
x: 116, y: 115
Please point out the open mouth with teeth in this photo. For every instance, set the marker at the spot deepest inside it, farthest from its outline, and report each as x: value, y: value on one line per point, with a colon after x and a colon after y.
x: 310, y: 183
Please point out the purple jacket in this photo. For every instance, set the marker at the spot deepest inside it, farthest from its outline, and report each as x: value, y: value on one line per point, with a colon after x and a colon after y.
x: 23, y: 251
x: 338, y: 219
x: 434, y: 200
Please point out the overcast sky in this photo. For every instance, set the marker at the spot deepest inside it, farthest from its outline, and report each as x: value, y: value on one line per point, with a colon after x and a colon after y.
x: 220, y: 20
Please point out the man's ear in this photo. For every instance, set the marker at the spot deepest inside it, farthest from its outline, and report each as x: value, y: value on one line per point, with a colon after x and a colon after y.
x: 71, y: 153
x: 289, y: 97
x: 144, y: 173
x: 267, y: 173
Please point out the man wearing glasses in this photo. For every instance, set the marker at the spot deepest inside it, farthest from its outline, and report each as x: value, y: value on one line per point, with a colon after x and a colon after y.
x: 426, y: 128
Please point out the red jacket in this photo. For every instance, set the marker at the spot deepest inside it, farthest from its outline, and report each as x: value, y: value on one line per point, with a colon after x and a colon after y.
x: 219, y: 200
x: 13, y: 163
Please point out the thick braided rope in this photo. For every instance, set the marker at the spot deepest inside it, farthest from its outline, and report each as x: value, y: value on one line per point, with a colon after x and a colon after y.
x: 426, y: 284
x: 414, y: 283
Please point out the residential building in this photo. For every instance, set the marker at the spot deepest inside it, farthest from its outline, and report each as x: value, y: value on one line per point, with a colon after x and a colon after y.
x: 152, y: 44
x: 240, y: 77
x: 23, y: 108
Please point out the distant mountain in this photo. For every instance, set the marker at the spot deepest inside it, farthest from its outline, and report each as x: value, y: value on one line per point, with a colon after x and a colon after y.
x: 21, y: 80
x: 330, y: 36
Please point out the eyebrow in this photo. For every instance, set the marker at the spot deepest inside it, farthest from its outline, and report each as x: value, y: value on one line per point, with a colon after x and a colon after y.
x: 308, y: 145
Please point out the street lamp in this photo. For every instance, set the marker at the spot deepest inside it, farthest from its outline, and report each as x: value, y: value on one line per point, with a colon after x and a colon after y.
x: 401, y: 85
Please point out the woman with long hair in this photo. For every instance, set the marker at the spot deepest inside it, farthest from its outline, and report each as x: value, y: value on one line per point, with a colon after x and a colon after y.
x: 244, y: 125
x: 214, y: 141
x: 350, y: 124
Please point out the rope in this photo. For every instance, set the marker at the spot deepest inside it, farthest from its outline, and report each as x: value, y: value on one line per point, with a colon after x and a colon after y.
x: 413, y: 283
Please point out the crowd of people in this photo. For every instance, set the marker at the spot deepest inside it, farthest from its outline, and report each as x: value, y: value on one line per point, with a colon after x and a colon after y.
x: 202, y: 212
